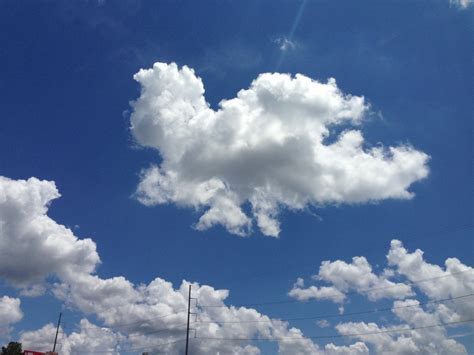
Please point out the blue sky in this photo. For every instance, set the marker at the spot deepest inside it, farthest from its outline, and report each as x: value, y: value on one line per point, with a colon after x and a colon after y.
x: 66, y: 85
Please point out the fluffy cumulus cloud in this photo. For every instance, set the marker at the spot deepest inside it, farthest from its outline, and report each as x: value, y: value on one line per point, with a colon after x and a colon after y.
x: 355, y: 276
x: 153, y: 317
x: 89, y: 338
x: 385, y: 341
x: 25, y: 227
x: 273, y: 146
x: 144, y: 324
x: 455, y: 281
x: 10, y: 313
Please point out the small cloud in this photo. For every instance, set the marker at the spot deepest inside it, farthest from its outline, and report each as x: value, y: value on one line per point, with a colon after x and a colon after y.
x: 388, y: 273
x: 33, y: 291
x: 463, y: 4
x: 285, y: 44
x: 323, y: 323
x: 299, y: 282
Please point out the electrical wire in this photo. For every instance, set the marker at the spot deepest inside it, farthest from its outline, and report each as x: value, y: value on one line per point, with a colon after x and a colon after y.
x: 291, y: 267
x: 340, y: 335
x: 138, y: 331
x: 127, y: 350
x: 302, y: 318
x: 338, y: 294
x: 120, y: 325
x: 334, y: 315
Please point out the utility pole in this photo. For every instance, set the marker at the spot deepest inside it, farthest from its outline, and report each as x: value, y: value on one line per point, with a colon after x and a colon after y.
x: 189, y: 314
x: 57, y: 331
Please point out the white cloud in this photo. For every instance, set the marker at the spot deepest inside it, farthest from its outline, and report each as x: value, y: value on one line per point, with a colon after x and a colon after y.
x: 356, y: 348
x: 35, y: 246
x: 344, y: 277
x: 88, y: 339
x: 431, y: 340
x: 144, y: 309
x: 323, y: 323
x: 10, y: 313
x: 285, y: 44
x: 319, y: 293
x: 463, y: 4
x: 33, y: 291
x: 454, y: 280
x: 266, y: 147
x: 434, y: 282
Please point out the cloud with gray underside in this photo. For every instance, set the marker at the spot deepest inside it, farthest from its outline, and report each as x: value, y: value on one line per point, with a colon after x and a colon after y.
x: 267, y: 147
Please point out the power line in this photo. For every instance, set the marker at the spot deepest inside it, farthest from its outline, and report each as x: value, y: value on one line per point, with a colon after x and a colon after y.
x: 162, y: 330
x: 371, y: 311
x: 291, y: 267
x: 301, y: 318
x: 334, y: 315
x: 139, y: 332
x: 120, y: 325
x: 338, y: 294
x: 460, y: 335
x: 127, y: 350
x: 407, y: 329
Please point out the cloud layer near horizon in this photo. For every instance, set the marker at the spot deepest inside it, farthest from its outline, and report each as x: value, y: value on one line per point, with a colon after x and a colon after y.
x: 152, y: 316
x: 153, y: 313
x: 268, y: 147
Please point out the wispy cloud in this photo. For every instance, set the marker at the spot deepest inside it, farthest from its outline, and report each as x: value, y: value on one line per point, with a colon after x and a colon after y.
x: 462, y: 4
x: 285, y: 44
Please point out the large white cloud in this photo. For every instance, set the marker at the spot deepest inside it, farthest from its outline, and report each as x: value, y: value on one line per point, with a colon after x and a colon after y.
x: 267, y: 147
x: 33, y: 245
